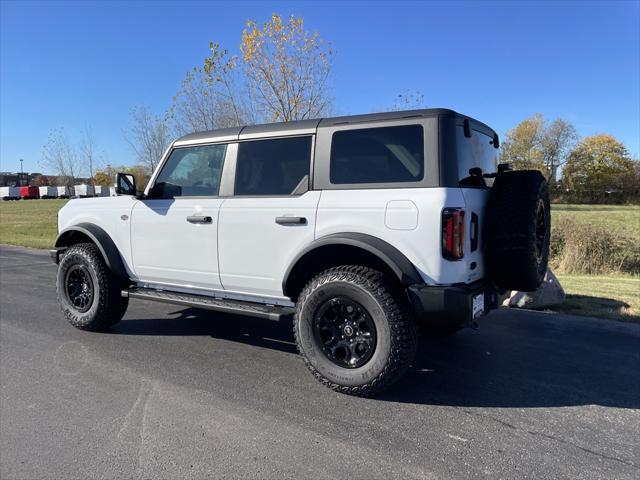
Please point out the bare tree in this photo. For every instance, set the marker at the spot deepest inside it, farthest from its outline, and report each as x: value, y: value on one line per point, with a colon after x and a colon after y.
x: 410, y: 100
x: 535, y: 143
x: 60, y: 157
x: 210, y: 97
x: 148, y: 136
x: 286, y: 69
x: 557, y: 142
x: 88, y: 152
x: 281, y: 75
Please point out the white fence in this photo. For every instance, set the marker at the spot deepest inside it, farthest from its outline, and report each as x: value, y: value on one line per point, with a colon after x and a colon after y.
x: 83, y: 190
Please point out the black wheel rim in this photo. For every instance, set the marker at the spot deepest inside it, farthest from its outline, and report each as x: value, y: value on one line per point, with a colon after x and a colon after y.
x: 345, y: 332
x: 541, y: 229
x: 79, y: 288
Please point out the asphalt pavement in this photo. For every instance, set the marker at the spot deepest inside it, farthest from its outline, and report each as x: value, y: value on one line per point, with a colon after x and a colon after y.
x: 173, y: 392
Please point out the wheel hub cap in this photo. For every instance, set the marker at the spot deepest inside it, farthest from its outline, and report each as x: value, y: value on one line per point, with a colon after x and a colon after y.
x: 345, y: 332
x: 79, y: 288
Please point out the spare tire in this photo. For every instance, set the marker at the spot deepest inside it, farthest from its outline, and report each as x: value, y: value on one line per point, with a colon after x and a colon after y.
x: 517, y: 229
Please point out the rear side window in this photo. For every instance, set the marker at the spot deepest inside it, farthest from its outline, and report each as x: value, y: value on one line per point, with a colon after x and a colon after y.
x: 378, y: 155
x: 273, y: 167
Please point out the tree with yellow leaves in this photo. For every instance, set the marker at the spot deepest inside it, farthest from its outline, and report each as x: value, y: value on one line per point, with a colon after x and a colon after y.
x: 287, y: 69
x: 281, y: 74
x: 600, y: 164
x: 536, y: 144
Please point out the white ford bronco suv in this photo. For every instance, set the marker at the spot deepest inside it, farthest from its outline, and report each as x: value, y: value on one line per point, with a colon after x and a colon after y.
x: 363, y: 229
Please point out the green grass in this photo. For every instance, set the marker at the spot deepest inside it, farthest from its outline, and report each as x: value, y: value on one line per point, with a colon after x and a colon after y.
x: 607, y: 296
x: 618, y: 219
x: 29, y: 223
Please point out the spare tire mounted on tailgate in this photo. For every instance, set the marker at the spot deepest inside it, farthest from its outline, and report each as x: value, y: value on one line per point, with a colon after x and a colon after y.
x: 518, y: 230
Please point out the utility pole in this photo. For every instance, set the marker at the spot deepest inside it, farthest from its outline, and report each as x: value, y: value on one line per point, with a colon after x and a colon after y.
x: 22, y: 182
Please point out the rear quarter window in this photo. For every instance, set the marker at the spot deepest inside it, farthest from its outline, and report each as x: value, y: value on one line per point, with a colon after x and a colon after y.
x: 475, y: 151
x: 377, y: 155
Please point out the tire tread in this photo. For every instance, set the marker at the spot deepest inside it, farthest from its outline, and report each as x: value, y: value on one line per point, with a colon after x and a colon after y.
x: 111, y: 306
x: 404, y: 338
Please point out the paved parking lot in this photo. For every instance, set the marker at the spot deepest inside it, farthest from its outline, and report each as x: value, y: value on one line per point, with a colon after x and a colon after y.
x: 182, y: 393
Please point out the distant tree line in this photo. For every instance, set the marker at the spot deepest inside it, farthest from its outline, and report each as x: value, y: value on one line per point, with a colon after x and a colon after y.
x: 594, y: 169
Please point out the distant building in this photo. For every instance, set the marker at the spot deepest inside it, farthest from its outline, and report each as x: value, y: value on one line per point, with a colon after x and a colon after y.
x: 10, y: 179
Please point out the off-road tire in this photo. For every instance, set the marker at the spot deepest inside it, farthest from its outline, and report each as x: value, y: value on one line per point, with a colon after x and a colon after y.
x: 396, y: 342
x: 107, y: 305
x: 517, y: 253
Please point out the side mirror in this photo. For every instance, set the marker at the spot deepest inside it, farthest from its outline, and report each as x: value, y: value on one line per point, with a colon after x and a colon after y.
x: 125, y: 184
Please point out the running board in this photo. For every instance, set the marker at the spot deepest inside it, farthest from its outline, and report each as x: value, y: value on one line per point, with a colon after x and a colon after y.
x: 252, y: 309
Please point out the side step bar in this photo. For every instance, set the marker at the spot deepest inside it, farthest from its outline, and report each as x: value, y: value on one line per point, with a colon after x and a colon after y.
x: 272, y: 312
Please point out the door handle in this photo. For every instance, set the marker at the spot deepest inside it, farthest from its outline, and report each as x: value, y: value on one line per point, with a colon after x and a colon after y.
x: 199, y: 219
x: 291, y: 220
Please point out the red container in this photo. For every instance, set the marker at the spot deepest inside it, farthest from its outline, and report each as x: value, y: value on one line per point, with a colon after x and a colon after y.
x: 28, y: 193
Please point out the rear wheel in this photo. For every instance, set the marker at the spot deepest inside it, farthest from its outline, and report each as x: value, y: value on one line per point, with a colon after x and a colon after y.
x: 88, y: 293
x: 354, y: 331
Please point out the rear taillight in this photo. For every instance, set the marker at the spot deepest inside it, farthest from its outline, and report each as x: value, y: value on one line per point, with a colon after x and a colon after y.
x: 453, y: 233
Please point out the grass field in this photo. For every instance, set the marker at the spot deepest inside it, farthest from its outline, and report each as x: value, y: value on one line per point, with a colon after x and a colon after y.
x: 606, y: 296
x: 32, y: 223
x: 622, y: 219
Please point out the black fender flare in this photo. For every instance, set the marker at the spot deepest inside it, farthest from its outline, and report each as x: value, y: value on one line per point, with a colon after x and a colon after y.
x: 399, y: 264
x: 103, y: 241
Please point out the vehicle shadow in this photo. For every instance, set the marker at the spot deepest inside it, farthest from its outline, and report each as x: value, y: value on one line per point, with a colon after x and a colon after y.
x: 196, y: 322
x: 606, y: 307
x: 518, y: 359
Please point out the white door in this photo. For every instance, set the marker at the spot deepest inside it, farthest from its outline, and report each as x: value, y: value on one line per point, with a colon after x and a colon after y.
x: 271, y: 217
x: 174, y: 233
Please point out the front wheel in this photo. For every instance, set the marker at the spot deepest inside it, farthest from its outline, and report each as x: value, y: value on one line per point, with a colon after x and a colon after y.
x: 88, y: 293
x: 354, y: 330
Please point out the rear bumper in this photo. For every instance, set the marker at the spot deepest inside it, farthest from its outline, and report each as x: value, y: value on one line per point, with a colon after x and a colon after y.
x: 452, y: 305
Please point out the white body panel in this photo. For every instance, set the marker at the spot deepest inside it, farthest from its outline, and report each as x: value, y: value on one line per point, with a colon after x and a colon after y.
x: 475, y: 202
x: 409, y: 219
x: 106, y: 213
x: 255, y: 251
x: 245, y: 251
x: 167, y: 249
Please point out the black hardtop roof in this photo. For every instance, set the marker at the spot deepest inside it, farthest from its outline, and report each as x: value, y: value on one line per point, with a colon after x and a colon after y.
x: 301, y: 127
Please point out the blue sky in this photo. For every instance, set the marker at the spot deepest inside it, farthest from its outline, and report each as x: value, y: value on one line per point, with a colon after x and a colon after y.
x: 75, y: 64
